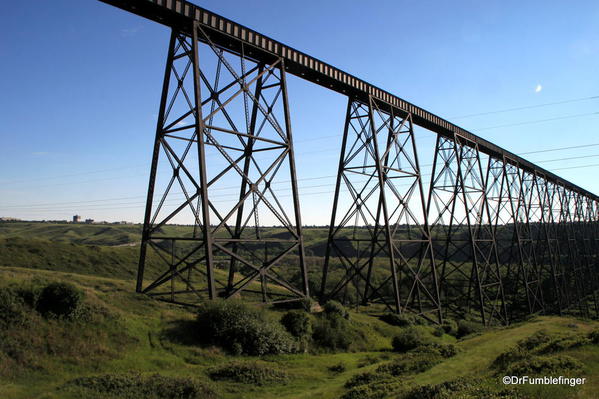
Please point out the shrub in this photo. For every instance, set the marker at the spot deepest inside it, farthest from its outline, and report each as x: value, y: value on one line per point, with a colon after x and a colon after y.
x: 399, y: 320
x: 538, y: 338
x: 335, y: 309
x: 536, y: 365
x: 408, y: 365
x: 441, y: 350
x: 297, y: 323
x: 467, y: 388
x: 363, y: 379
x: 594, y: 336
x: 438, y: 331
x: 515, y: 354
x: 409, y: 338
x: 337, y: 368
x: 132, y: 386
x: 376, y: 390
x: 333, y: 333
x: 12, y: 308
x: 59, y: 300
x: 241, y: 329
x: 368, y: 360
x: 562, y: 344
x: 450, y: 327
x: 466, y: 327
x: 248, y: 373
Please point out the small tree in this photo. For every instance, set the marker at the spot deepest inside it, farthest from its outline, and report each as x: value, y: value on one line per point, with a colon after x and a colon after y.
x: 297, y: 323
x: 409, y: 338
x: 59, y: 300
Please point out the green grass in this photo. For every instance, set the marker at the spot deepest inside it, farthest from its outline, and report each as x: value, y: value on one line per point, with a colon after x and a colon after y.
x: 134, y: 334
x: 140, y: 335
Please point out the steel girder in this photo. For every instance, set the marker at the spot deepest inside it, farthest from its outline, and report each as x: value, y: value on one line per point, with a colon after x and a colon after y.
x: 379, y: 247
x: 223, y: 124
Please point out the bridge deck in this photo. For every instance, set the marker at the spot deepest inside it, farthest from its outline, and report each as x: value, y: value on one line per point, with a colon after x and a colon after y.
x: 180, y: 15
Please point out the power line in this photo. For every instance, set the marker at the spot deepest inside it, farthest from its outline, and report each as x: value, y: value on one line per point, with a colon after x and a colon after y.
x: 141, y: 204
x: 538, y: 121
x: 525, y: 107
x: 560, y: 148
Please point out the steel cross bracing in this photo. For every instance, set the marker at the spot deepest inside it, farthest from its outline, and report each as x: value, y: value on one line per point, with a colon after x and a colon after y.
x: 224, y: 250
x: 492, y: 237
x: 382, y: 225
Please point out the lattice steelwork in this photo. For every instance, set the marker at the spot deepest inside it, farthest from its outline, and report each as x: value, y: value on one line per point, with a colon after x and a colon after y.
x: 379, y: 239
x: 470, y: 277
x: 240, y: 107
x: 494, y: 238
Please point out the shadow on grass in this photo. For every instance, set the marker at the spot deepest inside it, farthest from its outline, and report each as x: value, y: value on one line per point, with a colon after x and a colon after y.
x: 183, y: 332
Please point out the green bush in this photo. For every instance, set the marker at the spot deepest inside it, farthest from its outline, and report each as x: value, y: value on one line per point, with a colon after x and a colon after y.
x: 512, y: 355
x: 540, y: 365
x: 297, y: 323
x: 241, y: 329
x: 450, y: 327
x: 59, y: 300
x: 438, y: 331
x: 537, y: 339
x: 376, y: 390
x: 133, y: 386
x: 466, y: 327
x: 333, y: 332
x: 253, y: 373
x: 594, y: 336
x: 463, y: 388
x: 368, y: 360
x: 337, y: 368
x: 399, y: 320
x: 13, y: 311
x: 562, y: 344
x: 363, y: 379
x: 408, y: 365
x: 409, y: 338
x: 335, y: 309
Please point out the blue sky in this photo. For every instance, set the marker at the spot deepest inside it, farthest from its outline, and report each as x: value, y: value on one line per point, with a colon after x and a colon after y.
x: 81, y: 82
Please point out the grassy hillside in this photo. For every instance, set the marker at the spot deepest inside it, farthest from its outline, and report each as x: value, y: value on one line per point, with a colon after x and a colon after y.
x: 128, y: 333
x: 89, y: 234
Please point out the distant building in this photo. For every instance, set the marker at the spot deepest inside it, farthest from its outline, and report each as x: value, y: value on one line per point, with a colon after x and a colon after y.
x: 89, y: 221
x: 77, y: 219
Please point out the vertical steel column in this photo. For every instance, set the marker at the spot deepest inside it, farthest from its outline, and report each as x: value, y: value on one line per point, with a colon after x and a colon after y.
x: 332, y: 228
x: 294, y: 189
x: 200, y: 127
x: 145, y: 236
x: 382, y: 181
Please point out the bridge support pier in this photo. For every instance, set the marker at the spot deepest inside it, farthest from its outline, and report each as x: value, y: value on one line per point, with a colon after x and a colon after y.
x: 470, y: 274
x: 223, y: 124
x: 379, y: 248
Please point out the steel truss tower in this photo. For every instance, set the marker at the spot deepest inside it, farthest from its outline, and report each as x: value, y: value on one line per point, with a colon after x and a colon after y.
x: 379, y: 241
x: 494, y: 238
x: 470, y: 275
x: 223, y: 125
